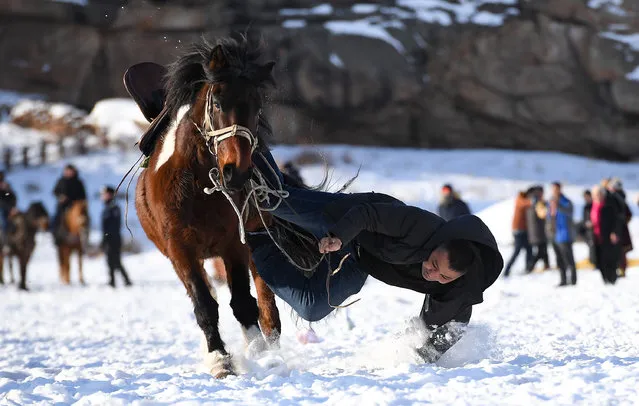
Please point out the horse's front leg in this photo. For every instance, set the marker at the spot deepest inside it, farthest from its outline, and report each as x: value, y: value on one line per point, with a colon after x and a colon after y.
x: 269, y: 315
x: 243, y: 304
x: 192, y: 274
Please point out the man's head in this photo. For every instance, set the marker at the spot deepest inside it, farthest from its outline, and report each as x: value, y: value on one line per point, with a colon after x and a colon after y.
x: 107, y: 193
x: 447, y: 190
x: 556, y: 190
x: 69, y: 171
x: 450, y: 261
x: 587, y: 196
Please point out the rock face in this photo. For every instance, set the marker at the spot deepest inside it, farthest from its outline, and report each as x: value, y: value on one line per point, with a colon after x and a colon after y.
x: 527, y: 74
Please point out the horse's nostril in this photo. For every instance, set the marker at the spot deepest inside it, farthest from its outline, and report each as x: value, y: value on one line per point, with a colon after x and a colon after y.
x: 227, y: 172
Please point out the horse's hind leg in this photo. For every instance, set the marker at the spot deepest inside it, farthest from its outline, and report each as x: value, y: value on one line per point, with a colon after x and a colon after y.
x: 10, y: 258
x: 63, y: 260
x: 243, y: 304
x: 24, y: 260
x: 269, y: 315
x: 81, y: 272
x: 193, y: 276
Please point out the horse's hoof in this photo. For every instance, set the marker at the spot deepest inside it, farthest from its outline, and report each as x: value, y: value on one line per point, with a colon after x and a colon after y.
x: 219, y: 365
x: 222, y: 374
x: 23, y: 288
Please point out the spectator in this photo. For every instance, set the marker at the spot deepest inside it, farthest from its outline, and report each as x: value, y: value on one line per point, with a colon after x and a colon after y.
x: 535, y: 222
x: 586, y: 226
x: 7, y: 204
x: 451, y: 206
x: 561, y: 212
x: 603, y: 225
x: 520, y: 232
x: 111, y: 239
x: 625, y: 215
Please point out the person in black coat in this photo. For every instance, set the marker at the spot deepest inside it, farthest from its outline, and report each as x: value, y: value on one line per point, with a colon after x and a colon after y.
x: 536, y: 222
x: 7, y: 204
x: 68, y: 189
x: 586, y: 227
x: 451, y: 206
x: 111, y: 239
x: 452, y: 263
x: 605, y: 229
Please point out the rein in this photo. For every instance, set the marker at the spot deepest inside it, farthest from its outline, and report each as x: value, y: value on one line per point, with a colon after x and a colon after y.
x: 258, y: 191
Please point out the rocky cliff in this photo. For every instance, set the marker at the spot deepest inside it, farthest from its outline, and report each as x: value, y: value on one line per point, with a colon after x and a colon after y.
x: 524, y: 74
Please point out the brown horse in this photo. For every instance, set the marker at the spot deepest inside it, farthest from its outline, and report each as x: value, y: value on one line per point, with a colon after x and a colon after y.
x: 213, y: 100
x: 76, y: 225
x: 21, y: 239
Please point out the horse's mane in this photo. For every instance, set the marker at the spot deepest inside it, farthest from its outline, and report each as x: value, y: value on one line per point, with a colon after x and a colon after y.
x: 190, y: 72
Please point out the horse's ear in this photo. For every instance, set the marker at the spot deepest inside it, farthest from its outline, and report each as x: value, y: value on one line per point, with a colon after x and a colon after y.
x: 266, y: 72
x: 218, y: 59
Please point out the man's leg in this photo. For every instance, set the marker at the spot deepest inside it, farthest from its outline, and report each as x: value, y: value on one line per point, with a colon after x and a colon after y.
x: 561, y: 264
x: 309, y: 297
x: 518, y: 246
x: 543, y: 249
x: 109, y: 254
x: 569, y: 260
x: 117, y: 261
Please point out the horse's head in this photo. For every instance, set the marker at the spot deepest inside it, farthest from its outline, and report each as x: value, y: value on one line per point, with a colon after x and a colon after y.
x: 226, y: 108
x: 38, y: 215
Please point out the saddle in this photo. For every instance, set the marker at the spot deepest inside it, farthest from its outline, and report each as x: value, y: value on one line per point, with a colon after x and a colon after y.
x: 144, y: 82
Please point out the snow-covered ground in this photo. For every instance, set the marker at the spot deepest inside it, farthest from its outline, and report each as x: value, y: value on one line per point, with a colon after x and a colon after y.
x: 528, y: 343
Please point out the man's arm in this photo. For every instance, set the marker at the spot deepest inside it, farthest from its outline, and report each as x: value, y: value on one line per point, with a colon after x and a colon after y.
x: 82, y: 193
x: 389, y: 219
x: 442, y: 335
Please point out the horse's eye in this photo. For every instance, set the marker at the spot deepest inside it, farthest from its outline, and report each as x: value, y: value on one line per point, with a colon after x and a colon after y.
x: 216, y: 105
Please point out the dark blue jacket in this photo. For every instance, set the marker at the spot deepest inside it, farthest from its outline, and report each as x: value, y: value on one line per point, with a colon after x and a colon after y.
x: 452, y: 208
x: 111, y: 221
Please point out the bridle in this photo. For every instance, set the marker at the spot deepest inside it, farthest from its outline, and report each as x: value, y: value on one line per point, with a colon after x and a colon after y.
x: 213, y: 138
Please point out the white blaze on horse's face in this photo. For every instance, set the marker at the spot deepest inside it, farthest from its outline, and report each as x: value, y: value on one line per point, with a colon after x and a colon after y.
x: 168, y: 146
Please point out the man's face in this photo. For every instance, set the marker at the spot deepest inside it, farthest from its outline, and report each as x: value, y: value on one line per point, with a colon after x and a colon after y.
x: 556, y: 191
x: 588, y: 198
x: 106, y: 196
x: 446, y: 192
x: 68, y: 173
x: 437, y: 269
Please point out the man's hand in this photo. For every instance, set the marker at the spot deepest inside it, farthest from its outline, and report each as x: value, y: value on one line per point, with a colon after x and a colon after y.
x: 329, y: 244
x: 613, y: 238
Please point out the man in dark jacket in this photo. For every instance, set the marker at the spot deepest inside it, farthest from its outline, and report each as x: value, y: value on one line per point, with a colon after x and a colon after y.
x: 7, y: 204
x: 536, y: 222
x: 68, y: 189
x: 364, y: 234
x: 111, y: 239
x: 586, y: 227
x: 451, y: 206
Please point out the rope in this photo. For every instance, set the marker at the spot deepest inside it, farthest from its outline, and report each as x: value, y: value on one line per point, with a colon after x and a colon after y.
x: 259, y: 193
x: 328, y: 284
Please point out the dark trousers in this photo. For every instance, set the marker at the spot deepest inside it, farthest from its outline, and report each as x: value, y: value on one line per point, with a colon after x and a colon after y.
x: 4, y: 221
x: 607, y: 258
x: 113, y: 253
x: 565, y: 260
x: 541, y: 253
x: 521, y: 242
x: 309, y: 297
